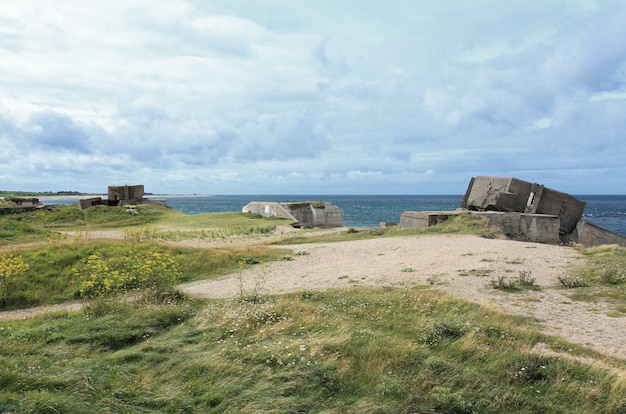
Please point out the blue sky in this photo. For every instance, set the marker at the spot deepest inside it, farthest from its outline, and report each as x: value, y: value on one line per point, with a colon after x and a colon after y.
x: 312, y: 97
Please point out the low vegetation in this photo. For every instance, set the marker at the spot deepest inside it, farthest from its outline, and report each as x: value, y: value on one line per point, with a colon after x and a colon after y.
x: 603, y: 279
x: 348, y: 351
x: 144, y: 222
x: 524, y: 281
x: 51, y: 276
x: 356, y: 350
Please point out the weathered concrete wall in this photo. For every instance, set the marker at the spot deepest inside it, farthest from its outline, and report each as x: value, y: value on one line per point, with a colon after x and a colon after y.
x: 496, y: 194
x: 304, y: 214
x: 588, y: 234
x: 485, y: 193
x: 522, y: 226
x: 540, y: 228
x: 328, y: 216
x: 568, y: 208
x: 125, y: 193
x: 119, y: 196
x: 89, y: 202
x: 268, y: 209
x: 423, y: 219
x: 24, y: 201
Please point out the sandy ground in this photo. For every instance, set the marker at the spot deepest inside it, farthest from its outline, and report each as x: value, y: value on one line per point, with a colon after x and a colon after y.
x: 462, y: 265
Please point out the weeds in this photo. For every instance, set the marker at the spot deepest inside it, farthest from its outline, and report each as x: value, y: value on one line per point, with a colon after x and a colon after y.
x: 141, y: 233
x: 216, y: 233
x: 10, y: 268
x: 605, y: 271
x: 524, y: 281
x: 612, y: 272
x: 253, y: 292
x: 572, y: 281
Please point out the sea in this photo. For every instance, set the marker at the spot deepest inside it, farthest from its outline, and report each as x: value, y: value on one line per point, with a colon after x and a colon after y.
x: 607, y: 211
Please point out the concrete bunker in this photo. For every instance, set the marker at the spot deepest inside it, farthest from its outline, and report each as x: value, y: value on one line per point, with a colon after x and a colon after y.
x: 522, y: 210
x: 118, y: 196
x: 306, y: 214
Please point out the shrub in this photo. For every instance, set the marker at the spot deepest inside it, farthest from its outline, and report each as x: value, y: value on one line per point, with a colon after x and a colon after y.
x: 523, y: 281
x: 10, y: 267
x: 572, y: 281
x: 137, y: 271
x: 613, y: 273
x: 525, y: 278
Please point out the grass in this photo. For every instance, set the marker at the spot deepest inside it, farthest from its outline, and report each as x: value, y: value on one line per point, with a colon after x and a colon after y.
x: 162, y: 223
x: 602, y: 279
x: 342, y: 351
x: 50, y: 278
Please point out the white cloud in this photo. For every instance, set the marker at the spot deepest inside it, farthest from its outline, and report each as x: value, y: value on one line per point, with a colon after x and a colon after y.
x: 286, y: 96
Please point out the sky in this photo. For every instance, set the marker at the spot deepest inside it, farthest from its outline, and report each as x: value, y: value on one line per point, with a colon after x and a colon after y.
x: 312, y: 97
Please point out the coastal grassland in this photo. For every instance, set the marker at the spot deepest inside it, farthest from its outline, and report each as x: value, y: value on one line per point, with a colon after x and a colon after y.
x: 143, y: 221
x: 51, y: 277
x: 464, y: 223
x: 41, y: 224
x: 602, y: 279
x: 366, y: 350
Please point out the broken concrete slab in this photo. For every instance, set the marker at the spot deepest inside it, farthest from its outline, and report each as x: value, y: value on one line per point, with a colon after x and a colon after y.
x: 505, y: 194
x: 588, y: 234
x: 522, y: 210
x: 521, y: 226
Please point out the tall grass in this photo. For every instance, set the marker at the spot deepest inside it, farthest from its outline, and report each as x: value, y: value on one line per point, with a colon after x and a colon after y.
x: 345, y: 351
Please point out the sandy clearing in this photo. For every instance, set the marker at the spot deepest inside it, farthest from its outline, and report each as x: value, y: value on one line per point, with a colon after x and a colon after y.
x: 462, y: 265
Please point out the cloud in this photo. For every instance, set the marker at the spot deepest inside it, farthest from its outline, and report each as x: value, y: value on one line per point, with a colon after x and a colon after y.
x: 321, y: 96
x: 48, y: 130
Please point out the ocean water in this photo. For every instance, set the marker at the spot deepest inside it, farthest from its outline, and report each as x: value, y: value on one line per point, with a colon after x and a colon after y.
x: 358, y: 210
x: 608, y: 211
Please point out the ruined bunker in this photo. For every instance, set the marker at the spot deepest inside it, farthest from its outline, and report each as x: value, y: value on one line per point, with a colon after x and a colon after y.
x: 305, y: 214
x: 522, y: 210
x: 121, y: 196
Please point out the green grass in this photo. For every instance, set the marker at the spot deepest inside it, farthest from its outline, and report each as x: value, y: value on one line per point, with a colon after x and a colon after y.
x: 50, y: 278
x: 602, y: 279
x: 165, y: 223
x: 342, y: 351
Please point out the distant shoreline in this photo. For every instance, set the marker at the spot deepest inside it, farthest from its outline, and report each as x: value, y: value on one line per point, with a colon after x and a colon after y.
x: 104, y: 196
